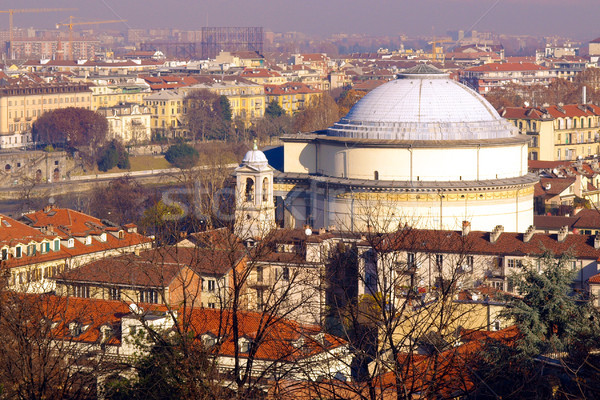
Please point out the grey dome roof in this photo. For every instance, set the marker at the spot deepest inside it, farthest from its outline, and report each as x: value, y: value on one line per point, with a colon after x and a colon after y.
x: 423, y: 104
x: 256, y: 159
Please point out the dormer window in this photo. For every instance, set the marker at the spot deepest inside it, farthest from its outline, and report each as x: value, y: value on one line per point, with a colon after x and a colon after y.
x: 5, y: 253
x: 31, y: 249
x: 56, y: 244
x: 244, y: 345
x: 103, y: 237
x: 70, y: 242
x: 75, y: 328
x: 209, y: 340
x: 18, y: 252
x: 88, y: 240
x: 45, y: 247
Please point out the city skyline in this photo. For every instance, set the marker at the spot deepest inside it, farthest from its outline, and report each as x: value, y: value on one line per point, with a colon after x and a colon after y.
x: 573, y: 19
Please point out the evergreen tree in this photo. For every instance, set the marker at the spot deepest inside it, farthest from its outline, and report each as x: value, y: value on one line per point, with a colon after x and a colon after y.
x: 554, y: 324
x: 182, y: 155
x: 274, y: 110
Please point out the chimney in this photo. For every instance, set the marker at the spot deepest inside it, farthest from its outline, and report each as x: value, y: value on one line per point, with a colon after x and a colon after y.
x: 528, y: 234
x: 562, y: 233
x: 466, y: 228
x: 495, y: 234
x: 597, y: 241
x: 584, y: 95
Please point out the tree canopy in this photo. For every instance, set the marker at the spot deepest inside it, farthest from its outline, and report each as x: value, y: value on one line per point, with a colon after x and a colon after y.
x: 553, y: 322
x: 111, y: 155
x: 208, y: 115
x: 71, y: 126
x: 182, y: 155
x: 122, y: 202
x: 320, y: 114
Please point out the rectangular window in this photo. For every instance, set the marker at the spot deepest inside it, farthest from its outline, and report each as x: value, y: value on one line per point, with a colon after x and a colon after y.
x: 286, y: 274
x: 439, y: 259
x: 149, y: 296
x: 114, y: 293
x: 210, y: 285
x: 81, y: 291
x: 410, y: 260
x: 18, y: 252
x: 259, y: 274
x: 259, y: 299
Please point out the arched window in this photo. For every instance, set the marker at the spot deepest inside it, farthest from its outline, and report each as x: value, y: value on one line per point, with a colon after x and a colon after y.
x: 7, y: 167
x: 265, y: 189
x: 249, y: 189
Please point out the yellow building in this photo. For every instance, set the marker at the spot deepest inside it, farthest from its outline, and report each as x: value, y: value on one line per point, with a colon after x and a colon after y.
x: 166, y: 107
x: 22, y: 102
x: 246, y: 99
x: 112, y: 95
x: 291, y: 96
x: 558, y: 132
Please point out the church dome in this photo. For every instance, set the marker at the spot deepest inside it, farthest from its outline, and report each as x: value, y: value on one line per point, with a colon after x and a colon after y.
x: 255, y: 158
x: 423, y: 104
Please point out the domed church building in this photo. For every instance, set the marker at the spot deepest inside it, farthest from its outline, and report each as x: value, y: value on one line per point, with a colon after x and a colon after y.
x: 422, y: 150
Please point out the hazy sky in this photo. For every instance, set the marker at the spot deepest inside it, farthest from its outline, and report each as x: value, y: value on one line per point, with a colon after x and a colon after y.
x: 575, y: 18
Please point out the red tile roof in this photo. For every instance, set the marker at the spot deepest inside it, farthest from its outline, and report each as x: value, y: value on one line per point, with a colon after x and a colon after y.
x: 594, y: 279
x: 478, y: 242
x: 289, y: 88
x: 552, y: 186
x: 524, y: 66
x: 258, y: 73
x: 156, y: 268
x: 275, y: 340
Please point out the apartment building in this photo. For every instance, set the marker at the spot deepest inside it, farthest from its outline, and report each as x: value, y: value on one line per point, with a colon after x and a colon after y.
x: 110, y: 95
x: 166, y: 107
x: 291, y: 96
x: 128, y: 122
x: 24, y: 99
x: 48, y: 242
x: 485, y: 77
x: 558, y: 132
x: 246, y: 98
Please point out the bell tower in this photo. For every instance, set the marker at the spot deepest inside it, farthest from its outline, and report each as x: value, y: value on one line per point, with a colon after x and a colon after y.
x: 254, y: 206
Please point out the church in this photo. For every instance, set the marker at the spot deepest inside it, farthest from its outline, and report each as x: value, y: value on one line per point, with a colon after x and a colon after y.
x: 422, y: 150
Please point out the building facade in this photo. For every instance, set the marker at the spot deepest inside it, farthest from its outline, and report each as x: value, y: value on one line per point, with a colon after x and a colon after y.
x: 422, y: 150
x: 558, y: 132
x: 21, y: 103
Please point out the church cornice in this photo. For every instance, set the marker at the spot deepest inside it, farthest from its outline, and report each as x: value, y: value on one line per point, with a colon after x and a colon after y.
x: 404, y: 144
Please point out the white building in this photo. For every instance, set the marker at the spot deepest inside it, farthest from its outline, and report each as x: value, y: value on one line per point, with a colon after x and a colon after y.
x: 422, y: 150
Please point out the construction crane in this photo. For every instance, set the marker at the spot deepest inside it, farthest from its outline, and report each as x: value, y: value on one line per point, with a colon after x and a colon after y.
x: 25, y: 10
x: 71, y: 24
x: 437, y: 52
